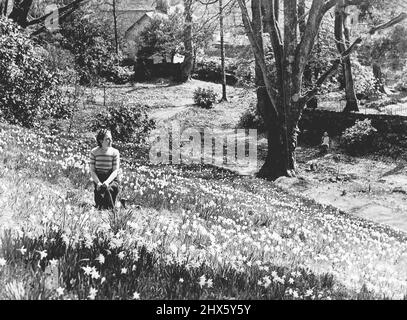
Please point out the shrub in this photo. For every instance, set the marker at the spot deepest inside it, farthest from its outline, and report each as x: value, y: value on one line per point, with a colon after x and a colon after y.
x: 59, y: 61
x: 245, y: 72
x: 127, y: 122
x: 366, y: 85
x: 210, y: 70
x: 358, y: 139
x: 204, y: 98
x: 29, y: 91
x: 91, y: 43
x: 120, y: 74
x: 251, y: 119
x: 401, y: 84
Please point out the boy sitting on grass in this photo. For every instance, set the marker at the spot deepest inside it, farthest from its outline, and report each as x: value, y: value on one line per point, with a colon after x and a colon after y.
x: 104, y: 170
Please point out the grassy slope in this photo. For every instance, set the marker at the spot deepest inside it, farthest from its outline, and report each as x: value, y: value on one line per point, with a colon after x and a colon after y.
x: 199, y: 214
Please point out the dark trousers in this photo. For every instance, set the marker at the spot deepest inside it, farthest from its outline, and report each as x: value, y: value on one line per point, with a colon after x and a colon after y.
x: 105, y: 198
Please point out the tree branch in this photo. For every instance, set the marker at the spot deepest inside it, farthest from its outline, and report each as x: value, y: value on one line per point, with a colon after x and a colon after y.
x: 316, y: 14
x: 44, y: 28
x: 73, y: 5
x: 271, y: 24
x: 347, y: 52
x: 258, y: 54
x: 402, y: 16
x: 335, y: 64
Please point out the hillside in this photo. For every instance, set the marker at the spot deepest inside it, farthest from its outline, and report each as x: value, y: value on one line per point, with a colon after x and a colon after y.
x: 223, y: 235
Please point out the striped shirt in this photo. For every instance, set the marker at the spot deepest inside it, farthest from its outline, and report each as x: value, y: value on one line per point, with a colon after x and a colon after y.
x: 104, y: 160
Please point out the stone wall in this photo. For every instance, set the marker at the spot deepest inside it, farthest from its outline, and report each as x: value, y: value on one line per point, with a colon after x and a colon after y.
x: 392, y: 130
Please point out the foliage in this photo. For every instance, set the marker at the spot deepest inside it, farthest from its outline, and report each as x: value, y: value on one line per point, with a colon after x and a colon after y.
x: 239, y: 71
x: 87, y: 37
x: 59, y: 61
x: 29, y: 91
x: 202, y: 35
x: 387, y: 48
x: 204, y: 98
x: 322, y: 54
x: 244, y: 72
x: 358, y: 139
x: 366, y: 85
x: 401, y: 84
x: 162, y: 36
x: 251, y: 119
x: 120, y: 74
x: 127, y: 122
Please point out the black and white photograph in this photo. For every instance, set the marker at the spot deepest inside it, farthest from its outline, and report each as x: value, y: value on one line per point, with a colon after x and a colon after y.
x: 199, y: 157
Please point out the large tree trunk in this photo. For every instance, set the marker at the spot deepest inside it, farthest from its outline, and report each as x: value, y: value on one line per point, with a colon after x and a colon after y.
x: 282, y: 130
x: 279, y: 160
x: 342, y: 42
x: 187, y: 64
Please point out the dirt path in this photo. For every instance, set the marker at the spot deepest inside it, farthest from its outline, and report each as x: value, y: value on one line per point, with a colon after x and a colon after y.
x: 167, y: 113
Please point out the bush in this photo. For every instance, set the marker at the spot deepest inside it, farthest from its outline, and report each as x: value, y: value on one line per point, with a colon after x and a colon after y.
x: 91, y: 43
x: 358, y: 139
x: 245, y: 72
x: 59, y: 61
x: 366, y: 85
x: 251, y: 119
x: 210, y: 70
x: 204, y: 98
x: 120, y: 74
x: 29, y: 91
x: 401, y: 84
x: 127, y: 122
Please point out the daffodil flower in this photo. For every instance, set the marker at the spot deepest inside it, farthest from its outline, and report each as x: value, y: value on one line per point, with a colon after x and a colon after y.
x: 22, y: 250
x: 92, y: 293
x: 88, y: 270
x: 101, y: 259
x: 60, y: 291
x: 43, y: 254
x: 53, y: 262
x: 202, y: 281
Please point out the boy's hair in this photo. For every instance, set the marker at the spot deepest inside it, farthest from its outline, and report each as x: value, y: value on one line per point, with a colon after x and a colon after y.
x: 101, y: 135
